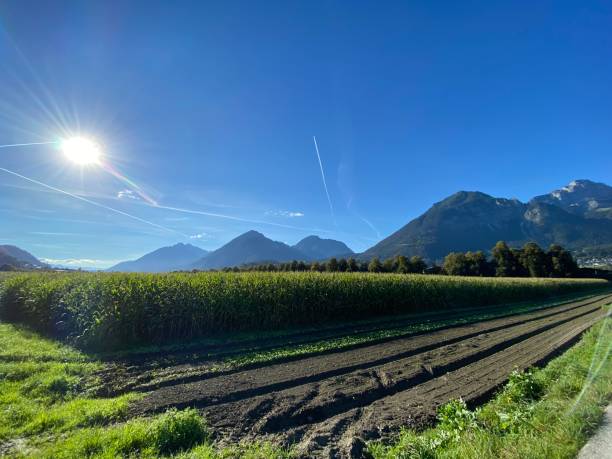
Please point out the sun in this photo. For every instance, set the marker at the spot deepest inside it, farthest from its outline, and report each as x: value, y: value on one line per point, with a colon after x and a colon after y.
x: 81, y: 151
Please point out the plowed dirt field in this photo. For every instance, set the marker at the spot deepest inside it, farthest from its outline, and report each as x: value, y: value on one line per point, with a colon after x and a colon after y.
x: 327, y: 404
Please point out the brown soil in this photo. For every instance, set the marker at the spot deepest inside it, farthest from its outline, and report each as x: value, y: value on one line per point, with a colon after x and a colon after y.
x: 326, y: 404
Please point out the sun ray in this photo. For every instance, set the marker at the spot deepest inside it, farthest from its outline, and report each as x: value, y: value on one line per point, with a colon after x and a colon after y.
x: 93, y: 203
x: 26, y: 144
x: 108, y: 167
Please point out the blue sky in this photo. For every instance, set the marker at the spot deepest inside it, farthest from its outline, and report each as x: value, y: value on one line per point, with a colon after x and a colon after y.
x: 211, y: 108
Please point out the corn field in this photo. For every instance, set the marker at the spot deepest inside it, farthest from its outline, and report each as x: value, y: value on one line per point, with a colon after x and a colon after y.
x: 110, y: 311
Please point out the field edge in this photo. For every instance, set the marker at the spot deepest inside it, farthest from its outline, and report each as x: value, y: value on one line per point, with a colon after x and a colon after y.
x: 529, y: 416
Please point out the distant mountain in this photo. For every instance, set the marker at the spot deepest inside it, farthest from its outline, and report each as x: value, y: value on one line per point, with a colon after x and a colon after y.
x: 471, y: 220
x: 581, y: 197
x: 250, y: 247
x: 174, y: 258
x: 464, y: 221
x: 316, y: 248
x: 8, y: 260
x: 20, y: 256
x: 548, y: 224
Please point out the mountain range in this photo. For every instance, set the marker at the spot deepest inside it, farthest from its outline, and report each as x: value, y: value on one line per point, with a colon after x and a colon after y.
x: 250, y: 247
x: 19, y: 258
x: 577, y: 216
x: 581, y: 197
x: 177, y: 257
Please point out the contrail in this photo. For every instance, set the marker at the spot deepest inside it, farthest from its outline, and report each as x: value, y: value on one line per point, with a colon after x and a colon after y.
x: 369, y: 223
x: 248, y: 220
x: 107, y: 166
x: 93, y: 203
x: 25, y: 144
x: 331, y: 207
x: 175, y: 209
x: 239, y: 219
x: 361, y: 217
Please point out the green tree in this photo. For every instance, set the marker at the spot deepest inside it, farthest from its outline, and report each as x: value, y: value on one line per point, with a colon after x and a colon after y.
x: 402, y: 264
x: 478, y: 265
x: 352, y: 265
x: 342, y: 265
x: 534, y: 260
x: 332, y: 265
x: 561, y: 262
x: 389, y: 265
x: 375, y: 265
x: 456, y: 264
x: 519, y: 268
x: 503, y: 258
x: 417, y: 264
x: 316, y: 266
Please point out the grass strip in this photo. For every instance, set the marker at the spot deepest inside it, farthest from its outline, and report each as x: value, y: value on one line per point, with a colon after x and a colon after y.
x: 45, y: 387
x: 47, y: 410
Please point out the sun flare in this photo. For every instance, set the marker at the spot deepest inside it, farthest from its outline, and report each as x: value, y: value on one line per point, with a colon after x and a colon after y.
x: 81, y: 151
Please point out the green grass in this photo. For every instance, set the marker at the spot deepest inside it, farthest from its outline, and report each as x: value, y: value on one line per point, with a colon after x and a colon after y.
x: 541, y: 413
x: 48, y: 409
x: 102, y: 311
x: 178, y: 434
x: 45, y: 387
x: 167, y: 434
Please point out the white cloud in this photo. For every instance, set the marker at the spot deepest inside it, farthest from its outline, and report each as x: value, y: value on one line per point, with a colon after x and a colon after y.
x: 128, y: 194
x: 285, y: 213
x: 80, y: 262
x: 50, y: 233
x: 199, y: 236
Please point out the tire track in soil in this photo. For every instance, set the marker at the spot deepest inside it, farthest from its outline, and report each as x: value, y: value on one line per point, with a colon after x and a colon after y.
x: 284, y: 417
x: 388, y: 380
x: 324, y: 402
x: 275, y: 377
x: 148, y: 371
x: 416, y: 407
x: 225, y: 348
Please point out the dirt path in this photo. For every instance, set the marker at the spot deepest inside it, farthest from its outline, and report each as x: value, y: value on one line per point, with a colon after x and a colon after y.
x: 323, y: 402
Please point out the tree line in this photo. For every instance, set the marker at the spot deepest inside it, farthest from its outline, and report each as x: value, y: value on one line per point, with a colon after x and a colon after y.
x: 399, y: 264
x: 529, y: 261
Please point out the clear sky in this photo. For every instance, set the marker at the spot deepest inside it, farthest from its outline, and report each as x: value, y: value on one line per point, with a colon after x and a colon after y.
x: 211, y: 107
